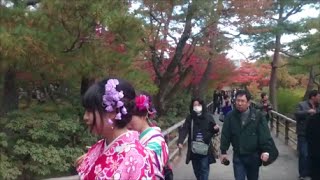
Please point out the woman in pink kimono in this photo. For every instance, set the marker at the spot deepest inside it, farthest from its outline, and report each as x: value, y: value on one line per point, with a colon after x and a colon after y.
x: 150, y: 137
x: 119, y: 155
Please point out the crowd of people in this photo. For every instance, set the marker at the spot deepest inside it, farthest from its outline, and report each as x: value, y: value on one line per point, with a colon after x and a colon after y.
x: 132, y: 146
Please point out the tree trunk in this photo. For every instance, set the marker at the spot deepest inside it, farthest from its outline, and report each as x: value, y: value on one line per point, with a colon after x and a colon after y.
x: 159, y: 105
x: 85, y: 84
x: 169, y: 74
x: 213, y: 37
x: 275, y: 62
x: 274, y: 74
x: 310, y: 84
x: 201, y: 89
x: 10, y: 97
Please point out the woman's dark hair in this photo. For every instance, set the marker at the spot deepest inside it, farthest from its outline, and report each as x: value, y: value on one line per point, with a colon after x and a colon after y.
x: 144, y: 112
x: 204, y: 107
x: 92, y: 100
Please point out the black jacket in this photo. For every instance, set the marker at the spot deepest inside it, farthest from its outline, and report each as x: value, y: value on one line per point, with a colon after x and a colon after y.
x: 302, y: 117
x: 203, y: 124
x: 313, y: 135
x: 252, y: 137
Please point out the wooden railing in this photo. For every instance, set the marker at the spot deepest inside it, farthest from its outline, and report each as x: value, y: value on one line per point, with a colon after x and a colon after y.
x: 282, y: 125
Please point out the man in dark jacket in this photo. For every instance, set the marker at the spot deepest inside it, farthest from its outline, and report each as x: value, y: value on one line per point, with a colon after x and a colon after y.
x: 216, y: 102
x: 304, y: 111
x: 204, y: 128
x: 313, y: 136
x: 247, y: 130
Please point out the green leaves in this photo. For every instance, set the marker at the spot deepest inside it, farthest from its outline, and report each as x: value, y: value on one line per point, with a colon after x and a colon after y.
x: 41, y: 142
x: 8, y: 170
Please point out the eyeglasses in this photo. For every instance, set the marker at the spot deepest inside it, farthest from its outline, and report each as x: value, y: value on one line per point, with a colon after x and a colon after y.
x: 241, y: 101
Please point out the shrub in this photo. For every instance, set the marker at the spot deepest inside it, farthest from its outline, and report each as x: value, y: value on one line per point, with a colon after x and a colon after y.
x: 288, y: 100
x: 41, y: 142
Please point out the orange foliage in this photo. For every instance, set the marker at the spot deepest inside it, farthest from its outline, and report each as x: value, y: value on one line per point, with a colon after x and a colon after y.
x: 252, y: 72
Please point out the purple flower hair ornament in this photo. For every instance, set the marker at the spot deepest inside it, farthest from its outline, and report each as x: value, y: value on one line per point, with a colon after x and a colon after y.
x: 112, y: 99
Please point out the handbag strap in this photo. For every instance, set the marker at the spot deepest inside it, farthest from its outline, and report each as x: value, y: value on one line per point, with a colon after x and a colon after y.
x: 191, y: 129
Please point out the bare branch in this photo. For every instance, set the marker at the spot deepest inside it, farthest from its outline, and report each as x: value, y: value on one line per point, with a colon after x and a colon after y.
x: 154, y: 17
x: 73, y: 45
x: 204, y: 29
x: 178, y: 84
x: 290, y: 55
x: 228, y: 33
x: 294, y: 10
x: 188, y: 55
x: 64, y: 25
x: 182, y: 42
x: 172, y: 37
x: 154, y: 59
x: 166, y: 28
x: 283, y: 65
x: 315, y: 81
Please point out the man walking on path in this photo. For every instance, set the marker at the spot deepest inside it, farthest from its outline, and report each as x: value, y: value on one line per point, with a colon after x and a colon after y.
x: 216, y: 101
x: 265, y: 105
x: 247, y: 130
x: 304, y: 111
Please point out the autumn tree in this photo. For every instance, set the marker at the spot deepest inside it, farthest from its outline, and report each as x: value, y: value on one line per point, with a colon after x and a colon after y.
x: 64, y: 41
x: 252, y: 72
x: 175, y: 30
x: 266, y: 32
x: 21, y: 41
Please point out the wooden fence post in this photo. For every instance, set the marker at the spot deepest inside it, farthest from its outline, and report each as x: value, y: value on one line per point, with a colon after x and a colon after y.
x: 286, y: 132
x: 277, y: 126
x: 271, y: 121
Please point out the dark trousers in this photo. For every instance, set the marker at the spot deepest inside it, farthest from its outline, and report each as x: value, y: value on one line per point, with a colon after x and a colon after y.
x: 246, y: 166
x: 201, y: 166
x: 304, y: 160
x: 315, y: 168
x: 215, y: 107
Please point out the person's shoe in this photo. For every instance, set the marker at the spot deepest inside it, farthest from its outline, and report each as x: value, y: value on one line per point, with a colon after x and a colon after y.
x: 301, y: 178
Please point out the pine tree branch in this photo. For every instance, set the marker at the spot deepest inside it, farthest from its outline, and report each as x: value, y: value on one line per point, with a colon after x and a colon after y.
x: 172, y: 37
x: 154, y: 59
x: 182, y: 42
x: 293, y: 11
x: 178, y: 84
x: 290, y: 55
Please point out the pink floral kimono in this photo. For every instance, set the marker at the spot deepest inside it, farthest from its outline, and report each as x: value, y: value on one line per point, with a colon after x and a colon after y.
x: 124, y: 158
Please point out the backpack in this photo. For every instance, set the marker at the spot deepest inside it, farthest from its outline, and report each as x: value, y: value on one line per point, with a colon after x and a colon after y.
x: 273, y: 151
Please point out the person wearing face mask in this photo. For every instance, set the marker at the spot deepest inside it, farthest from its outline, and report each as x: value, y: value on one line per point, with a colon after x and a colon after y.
x: 200, y: 128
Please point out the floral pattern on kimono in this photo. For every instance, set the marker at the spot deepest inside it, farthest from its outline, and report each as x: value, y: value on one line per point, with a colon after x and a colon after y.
x: 124, y: 158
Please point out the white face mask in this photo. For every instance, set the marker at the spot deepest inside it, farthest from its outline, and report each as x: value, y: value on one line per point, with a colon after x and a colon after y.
x: 197, y: 109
